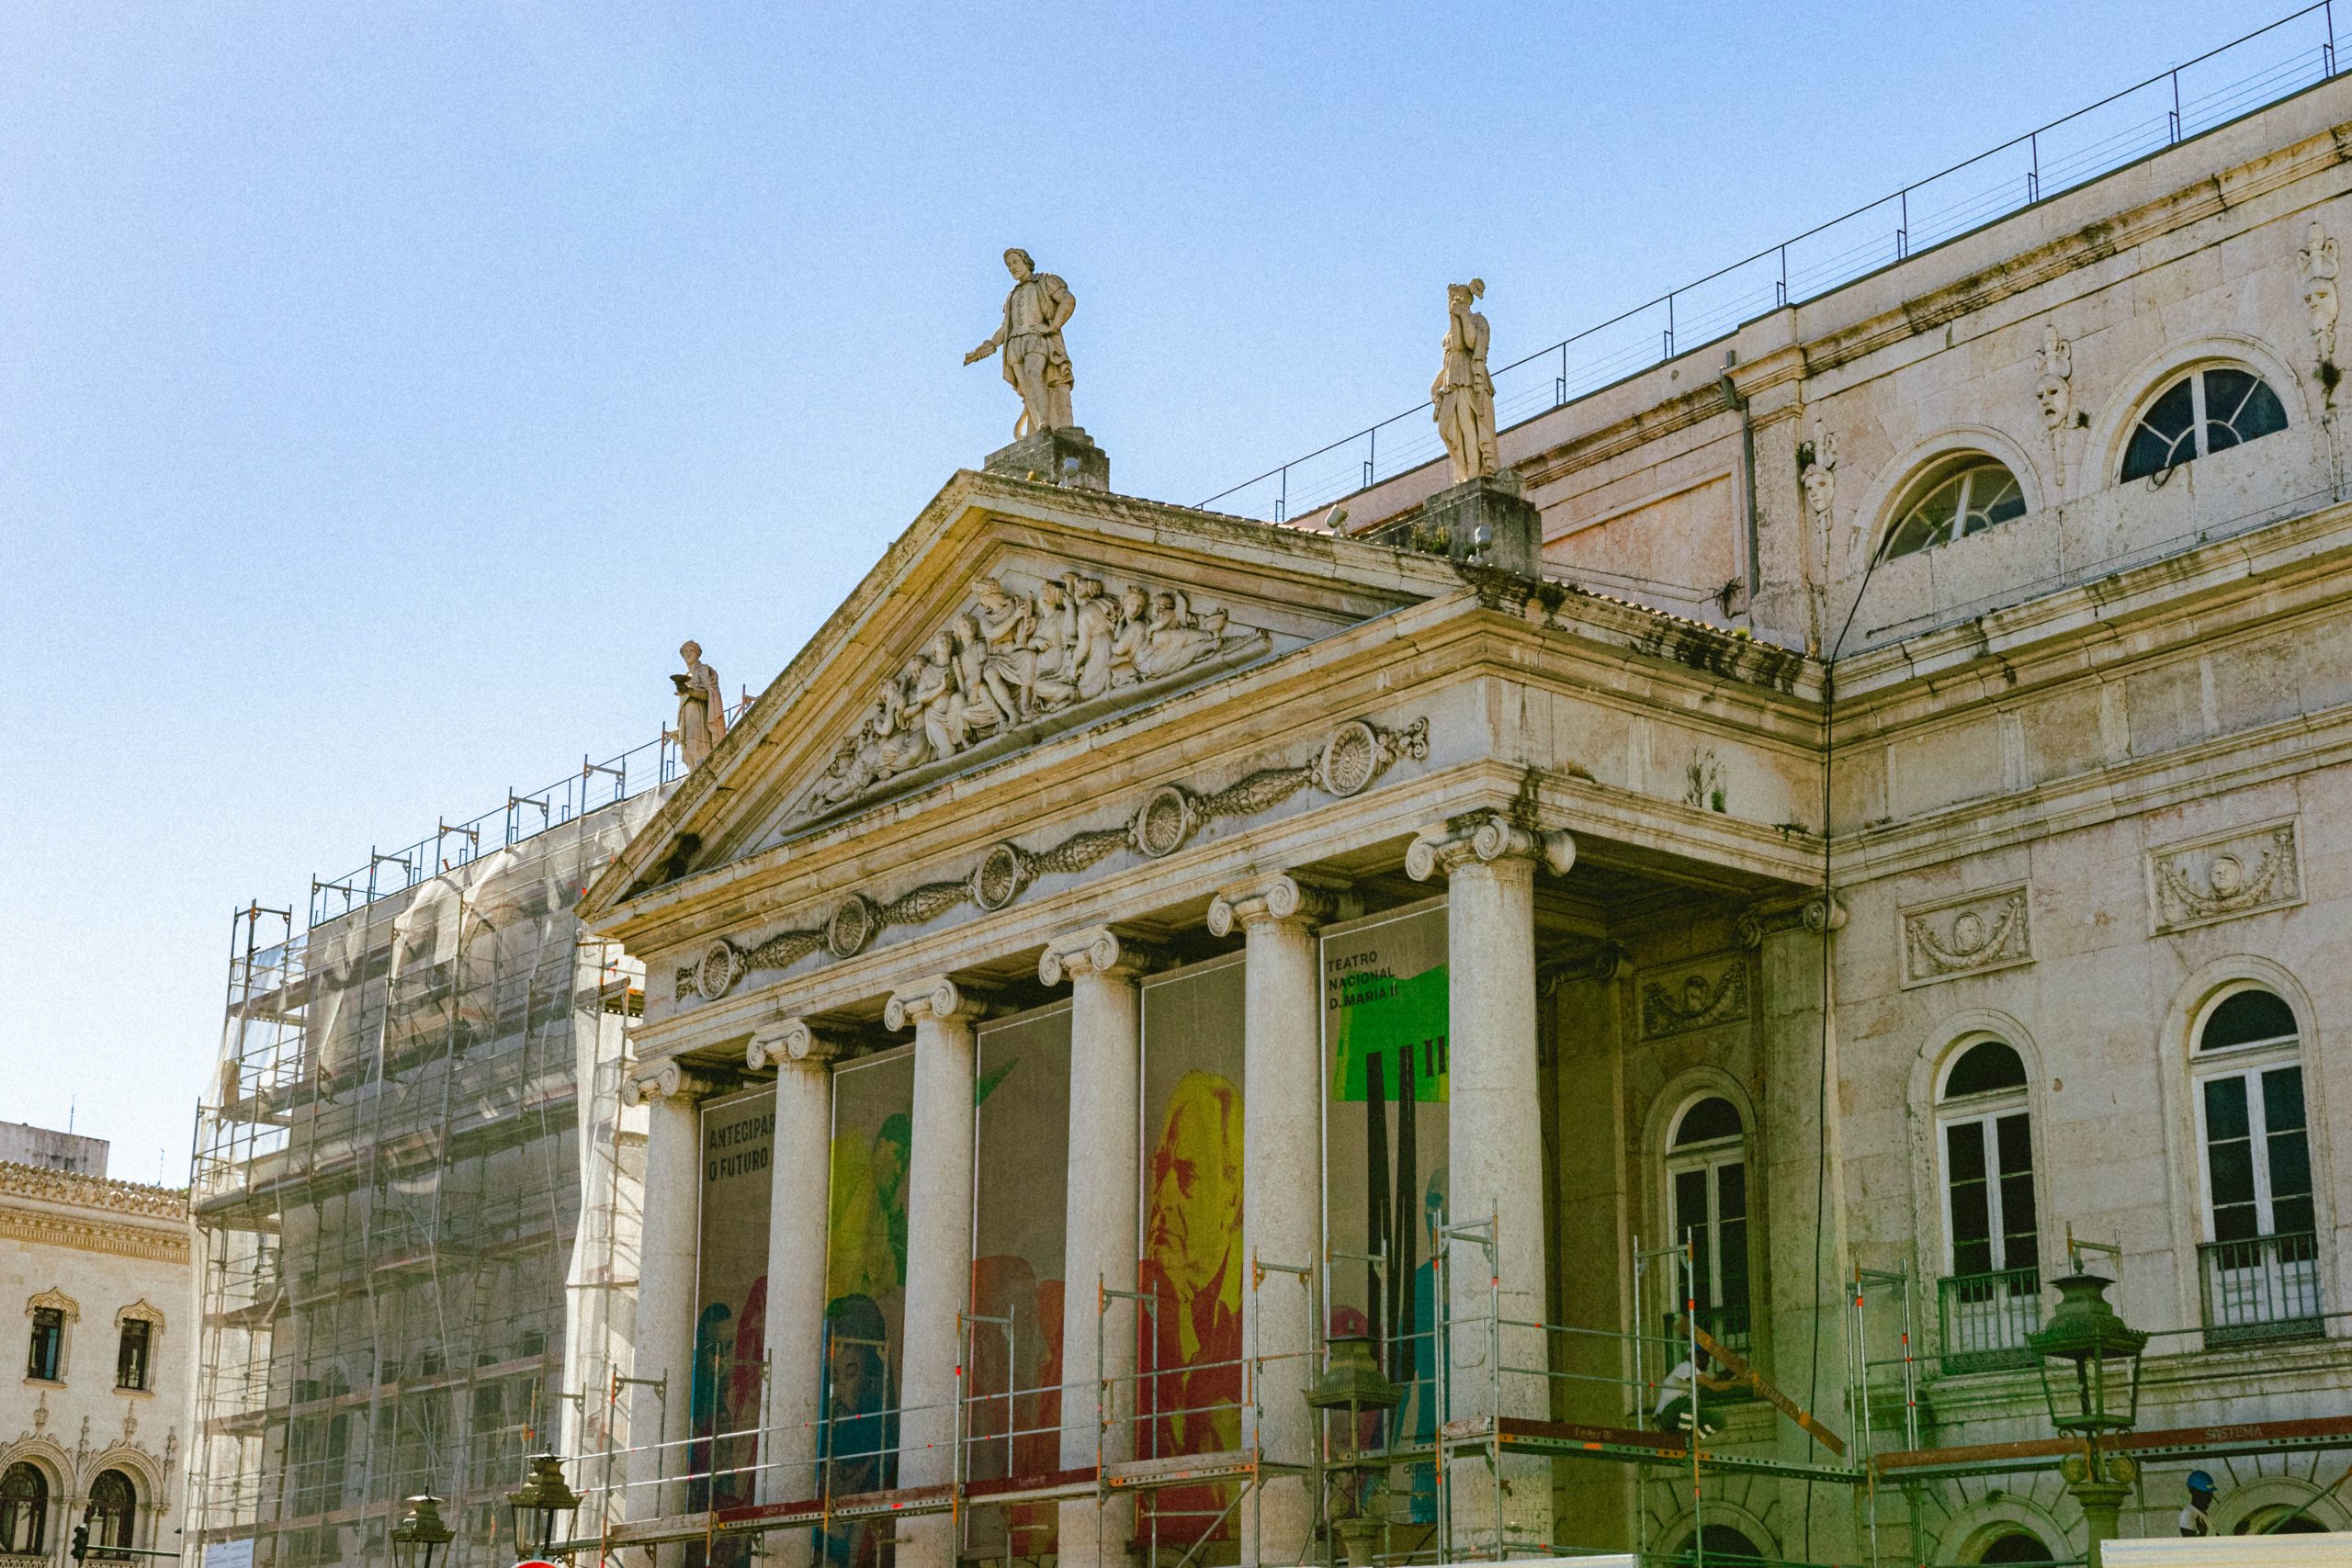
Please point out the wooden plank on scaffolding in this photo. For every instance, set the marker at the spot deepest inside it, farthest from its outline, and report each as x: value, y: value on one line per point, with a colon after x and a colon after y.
x: 2251, y: 1437
x: 1641, y: 1446
x: 1757, y: 1381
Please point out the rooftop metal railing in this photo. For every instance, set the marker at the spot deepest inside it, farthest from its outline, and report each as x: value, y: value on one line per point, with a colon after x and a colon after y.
x: 2262, y: 68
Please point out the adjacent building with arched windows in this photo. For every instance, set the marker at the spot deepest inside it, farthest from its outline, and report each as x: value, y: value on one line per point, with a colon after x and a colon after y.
x: 95, y: 1432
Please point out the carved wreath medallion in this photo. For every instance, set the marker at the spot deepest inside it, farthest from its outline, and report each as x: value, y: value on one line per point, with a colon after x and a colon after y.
x: 1699, y: 995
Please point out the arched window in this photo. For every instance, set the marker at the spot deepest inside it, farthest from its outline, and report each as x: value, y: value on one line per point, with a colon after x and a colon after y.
x: 114, y: 1503
x: 1991, y: 1293
x: 2206, y: 411
x: 1961, y: 495
x: 2020, y: 1546
x: 24, y: 1509
x: 1721, y: 1543
x: 44, y: 1358
x: 1706, y: 1174
x: 2260, y: 1260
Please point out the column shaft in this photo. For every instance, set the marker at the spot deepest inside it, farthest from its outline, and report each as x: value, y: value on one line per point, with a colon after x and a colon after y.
x: 1101, y: 1238
x: 797, y: 1210
x: 665, y: 1305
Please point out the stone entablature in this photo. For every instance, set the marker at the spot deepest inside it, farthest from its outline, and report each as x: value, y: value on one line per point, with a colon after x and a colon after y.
x: 92, y: 1214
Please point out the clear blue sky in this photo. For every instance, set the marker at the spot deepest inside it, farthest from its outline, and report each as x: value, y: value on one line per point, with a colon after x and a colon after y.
x: 386, y: 389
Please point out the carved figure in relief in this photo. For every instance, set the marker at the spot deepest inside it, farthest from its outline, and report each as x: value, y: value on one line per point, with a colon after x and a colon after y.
x: 1036, y: 364
x: 2055, y: 393
x: 2318, y: 259
x: 702, y: 707
x: 1010, y: 658
x: 1819, y: 475
x: 1463, y: 396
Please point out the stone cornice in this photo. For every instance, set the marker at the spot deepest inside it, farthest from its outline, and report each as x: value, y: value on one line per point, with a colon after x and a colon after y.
x: 38, y: 1229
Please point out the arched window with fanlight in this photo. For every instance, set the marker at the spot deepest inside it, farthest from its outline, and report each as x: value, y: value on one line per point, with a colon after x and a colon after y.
x: 1990, y: 1296
x: 2016, y: 1545
x: 2260, y: 1264
x: 114, y: 1508
x: 24, y: 1510
x: 1962, y: 494
x: 1706, y: 1176
x: 2209, y: 410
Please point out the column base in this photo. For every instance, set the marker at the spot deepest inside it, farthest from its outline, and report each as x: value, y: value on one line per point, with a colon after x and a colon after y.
x: 1484, y: 522
x: 1067, y: 457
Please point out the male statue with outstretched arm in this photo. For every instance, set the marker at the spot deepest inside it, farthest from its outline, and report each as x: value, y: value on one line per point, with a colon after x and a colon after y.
x: 1035, y: 362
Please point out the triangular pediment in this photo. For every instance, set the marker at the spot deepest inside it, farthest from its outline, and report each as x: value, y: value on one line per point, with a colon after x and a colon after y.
x: 1010, y: 616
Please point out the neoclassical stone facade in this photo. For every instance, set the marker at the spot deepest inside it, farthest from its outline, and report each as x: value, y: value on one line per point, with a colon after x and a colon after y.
x: 99, y: 1271
x: 1873, y: 858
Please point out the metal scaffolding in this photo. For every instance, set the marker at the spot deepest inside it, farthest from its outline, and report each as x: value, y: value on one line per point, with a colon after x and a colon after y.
x: 413, y: 1185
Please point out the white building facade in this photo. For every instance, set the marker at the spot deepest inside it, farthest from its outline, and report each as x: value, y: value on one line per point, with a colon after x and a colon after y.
x: 96, y: 1425
x: 1905, y: 824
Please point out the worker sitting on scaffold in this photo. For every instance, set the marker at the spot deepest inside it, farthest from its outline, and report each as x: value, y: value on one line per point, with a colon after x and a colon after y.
x: 1682, y: 1394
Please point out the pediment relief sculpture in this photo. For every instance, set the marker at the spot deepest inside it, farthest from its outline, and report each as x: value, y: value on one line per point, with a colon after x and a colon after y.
x: 2218, y: 879
x: 1166, y: 818
x: 1966, y: 936
x: 1012, y: 659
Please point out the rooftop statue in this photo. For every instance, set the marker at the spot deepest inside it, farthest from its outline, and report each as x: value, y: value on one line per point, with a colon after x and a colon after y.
x: 1035, y: 362
x: 702, y: 708
x: 1464, y: 394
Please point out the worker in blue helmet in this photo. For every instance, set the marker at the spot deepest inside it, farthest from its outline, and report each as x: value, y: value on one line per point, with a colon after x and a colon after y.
x: 2193, y: 1519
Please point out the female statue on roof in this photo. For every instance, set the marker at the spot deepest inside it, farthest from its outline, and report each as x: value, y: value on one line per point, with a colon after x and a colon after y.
x: 1463, y: 394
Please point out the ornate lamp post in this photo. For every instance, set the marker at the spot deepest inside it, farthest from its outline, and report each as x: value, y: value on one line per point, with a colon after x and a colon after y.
x: 2090, y: 1378
x: 541, y: 1505
x: 422, y: 1539
x: 1350, y: 1386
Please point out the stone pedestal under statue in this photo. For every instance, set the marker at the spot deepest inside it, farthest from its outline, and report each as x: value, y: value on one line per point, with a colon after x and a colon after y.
x: 1486, y: 521
x: 1067, y: 456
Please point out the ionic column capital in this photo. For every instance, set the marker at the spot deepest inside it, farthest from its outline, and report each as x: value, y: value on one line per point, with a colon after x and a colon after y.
x: 663, y: 1080
x: 1097, y: 949
x: 1284, y: 897
x: 1482, y: 838
x: 940, y: 999
x: 791, y: 1039
x: 1824, y: 913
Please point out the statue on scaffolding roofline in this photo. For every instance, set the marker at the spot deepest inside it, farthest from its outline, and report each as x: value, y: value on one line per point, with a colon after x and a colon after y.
x: 702, y: 709
x: 1035, y: 362
x: 1464, y: 395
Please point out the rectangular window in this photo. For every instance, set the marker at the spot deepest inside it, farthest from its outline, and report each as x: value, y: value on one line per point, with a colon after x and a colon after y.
x: 2257, y: 1155
x: 1972, y: 1210
x: 2020, y: 1235
x: 48, y: 1345
x: 130, y: 1356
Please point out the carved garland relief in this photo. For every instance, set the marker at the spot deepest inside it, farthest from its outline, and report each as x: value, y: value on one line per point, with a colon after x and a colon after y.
x: 1694, y: 996
x: 1009, y: 659
x: 1168, y: 817
x: 2224, y: 876
x: 1966, y: 936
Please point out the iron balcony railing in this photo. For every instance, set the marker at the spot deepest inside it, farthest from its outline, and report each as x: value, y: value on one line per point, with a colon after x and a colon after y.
x: 2264, y: 1287
x: 2262, y: 68
x: 1986, y: 1316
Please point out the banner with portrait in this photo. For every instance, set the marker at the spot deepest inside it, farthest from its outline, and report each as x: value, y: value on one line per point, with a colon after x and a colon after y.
x: 726, y: 1401
x: 1188, y: 1354
x: 865, y: 1281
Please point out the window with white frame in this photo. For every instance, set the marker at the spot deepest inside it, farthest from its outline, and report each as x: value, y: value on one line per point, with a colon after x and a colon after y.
x: 2205, y: 412
x: 1991, y: 1292
x: 1706, y: 1175
x: 1960, y: 495
x: 2259, y: 1263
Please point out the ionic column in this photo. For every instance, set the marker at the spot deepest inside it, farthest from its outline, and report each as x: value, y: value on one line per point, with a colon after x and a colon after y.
x: 1102, y: 1240
x: 798, y: 1186
x: 667, y: 1250
x: 939, y: 1249
x: 1494, y: 1117
x: 1281, y: 1185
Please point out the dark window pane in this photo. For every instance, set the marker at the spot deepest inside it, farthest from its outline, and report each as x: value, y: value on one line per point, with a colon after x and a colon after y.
x: 1707, y: 1120
x: 2292, y: 1216
x: 1972, y: 1221
x: 2232, y: 1167
x: 1965, y: 1150
x: 1735, y: 1265
x: 1985, y: 1067
x: 2262, y: 414
x: 2225, y: 1110
x: 2282, y: 1100
x: 2235, y: 1221
x: 2244, y: 1018
x: 2017, y: 1549
x: 2165, y: 434
x: 1731, y: 1192
x: 2291, y: 1166
x: 2014, y: 1137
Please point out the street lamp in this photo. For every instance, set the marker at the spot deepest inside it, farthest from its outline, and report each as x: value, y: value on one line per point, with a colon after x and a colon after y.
x: 422, y: 1539
x: 2090, y: 1379
x: 1352, y: 1385
x: 540, y: 1504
